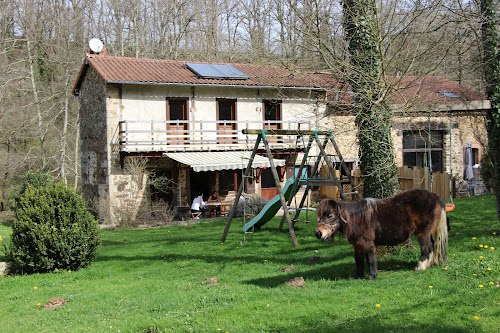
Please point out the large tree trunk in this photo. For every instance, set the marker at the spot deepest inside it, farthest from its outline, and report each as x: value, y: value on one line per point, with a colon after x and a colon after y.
x: 491, y: 42
x: 373, y: 115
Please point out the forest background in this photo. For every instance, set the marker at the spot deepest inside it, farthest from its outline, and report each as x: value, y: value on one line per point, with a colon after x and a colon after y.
x: 43, y: 44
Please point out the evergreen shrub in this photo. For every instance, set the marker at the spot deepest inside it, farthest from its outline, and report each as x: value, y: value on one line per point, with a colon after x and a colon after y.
x: 52, y: 230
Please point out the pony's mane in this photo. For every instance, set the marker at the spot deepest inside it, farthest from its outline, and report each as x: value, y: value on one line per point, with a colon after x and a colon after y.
x: 358, y: 213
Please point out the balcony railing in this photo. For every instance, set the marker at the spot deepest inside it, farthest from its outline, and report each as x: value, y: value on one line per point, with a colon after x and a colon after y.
x: 168, y: 136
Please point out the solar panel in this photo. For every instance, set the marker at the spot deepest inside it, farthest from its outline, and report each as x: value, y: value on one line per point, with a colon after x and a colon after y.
x: 449, y: 94
x: 215, y: 71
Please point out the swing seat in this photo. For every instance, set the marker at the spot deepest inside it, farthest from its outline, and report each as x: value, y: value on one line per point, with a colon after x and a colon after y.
x: 449, y: 207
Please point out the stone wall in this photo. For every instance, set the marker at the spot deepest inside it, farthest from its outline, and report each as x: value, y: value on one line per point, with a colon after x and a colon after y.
x: 93, y: 142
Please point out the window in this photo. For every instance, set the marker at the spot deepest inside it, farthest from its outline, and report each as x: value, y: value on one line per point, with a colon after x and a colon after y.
x: 267, y: 178
x: 272, y: 116
x: 272, y: 110
x: 449, y: 94
x: 416, y: 149
x: 177, y: 109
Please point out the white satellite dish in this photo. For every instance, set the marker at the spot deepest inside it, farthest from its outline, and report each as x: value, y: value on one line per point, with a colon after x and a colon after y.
x: 96, y: 45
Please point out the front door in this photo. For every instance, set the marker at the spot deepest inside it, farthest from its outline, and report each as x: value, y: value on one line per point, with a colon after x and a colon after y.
x: 226, y: 121
x: 272, y: 116
x: 177, y: 116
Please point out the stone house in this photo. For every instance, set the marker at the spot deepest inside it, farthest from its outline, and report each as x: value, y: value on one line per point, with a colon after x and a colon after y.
x: 183, y: 120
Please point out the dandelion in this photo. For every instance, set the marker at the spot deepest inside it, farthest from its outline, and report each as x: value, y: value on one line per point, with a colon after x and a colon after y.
x: 489, y: 268
x: 219, y: 329
x: 492, y: 248
x: 473, y: 237
x: 494, y: 232
x: 377, y: 305
x: 481, y: 245
x: 38, y: 304
x: 69, y: 271
x: 481, y: 286
x: 35, y: 288
x: 474, y: 274
x: 486, y: 246
x: 0, y: 238
x: 491, y: 282
x: 430, y: 287
x: 481, y: 257
x: 476, y: 317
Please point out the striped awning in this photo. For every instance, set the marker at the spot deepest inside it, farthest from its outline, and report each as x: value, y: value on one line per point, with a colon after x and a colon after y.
x: 221, y: 160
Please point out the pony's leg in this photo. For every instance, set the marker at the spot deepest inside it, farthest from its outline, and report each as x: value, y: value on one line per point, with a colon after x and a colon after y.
x: 372, y: 262
x: 359, y: 257
x: 426, y: 252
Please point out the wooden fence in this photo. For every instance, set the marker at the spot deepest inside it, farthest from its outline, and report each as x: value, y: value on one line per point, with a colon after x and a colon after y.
x: 408, y: 178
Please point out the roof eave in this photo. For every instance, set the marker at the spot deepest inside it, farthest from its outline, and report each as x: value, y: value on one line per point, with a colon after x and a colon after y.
x: 462, y: 107
x: 216, y: 85
x: 79, y: 79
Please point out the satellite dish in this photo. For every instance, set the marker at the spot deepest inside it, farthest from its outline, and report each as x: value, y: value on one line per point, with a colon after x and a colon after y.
x: 96, y: 45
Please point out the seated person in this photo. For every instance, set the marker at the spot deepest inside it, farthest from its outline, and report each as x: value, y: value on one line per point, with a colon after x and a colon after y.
x: 214, y: 197
x: 198, y: 204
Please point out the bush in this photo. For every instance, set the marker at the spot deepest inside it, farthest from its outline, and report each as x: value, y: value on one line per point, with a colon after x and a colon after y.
x: 52, y: 230
x: 250, y: 206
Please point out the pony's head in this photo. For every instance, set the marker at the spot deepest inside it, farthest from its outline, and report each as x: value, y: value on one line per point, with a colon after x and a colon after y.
x: 330, y: 218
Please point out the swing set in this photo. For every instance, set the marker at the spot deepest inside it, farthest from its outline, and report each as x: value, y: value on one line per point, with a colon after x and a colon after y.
x: 321, y: 140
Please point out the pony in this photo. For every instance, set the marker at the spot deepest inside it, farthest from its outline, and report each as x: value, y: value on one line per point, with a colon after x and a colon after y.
x: 373, y: 222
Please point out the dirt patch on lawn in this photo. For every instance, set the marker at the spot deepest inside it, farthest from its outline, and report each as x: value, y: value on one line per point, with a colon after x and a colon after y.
x: 212, y: 281
x: 55, y: 303
x: 297, y: 282
x: 288, y: 268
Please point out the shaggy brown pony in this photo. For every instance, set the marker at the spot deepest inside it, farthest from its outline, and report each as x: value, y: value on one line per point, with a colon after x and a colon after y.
x: 372, y: 222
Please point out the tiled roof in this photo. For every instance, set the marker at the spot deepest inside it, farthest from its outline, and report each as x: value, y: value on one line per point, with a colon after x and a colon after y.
x: 431, y: 89
x: 409, y: 89
x: 414, y: 90
x: 140, y: 70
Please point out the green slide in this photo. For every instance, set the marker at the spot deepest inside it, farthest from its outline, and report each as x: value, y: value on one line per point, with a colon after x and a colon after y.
x: 272, y: 207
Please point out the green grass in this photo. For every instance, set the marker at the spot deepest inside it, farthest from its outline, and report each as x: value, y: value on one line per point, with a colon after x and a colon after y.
x: 156, y: 281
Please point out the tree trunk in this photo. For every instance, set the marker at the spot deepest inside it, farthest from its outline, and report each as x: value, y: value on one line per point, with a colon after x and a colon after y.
x: 373, y: 115
x: 491, y: 42
x: 41, y: 130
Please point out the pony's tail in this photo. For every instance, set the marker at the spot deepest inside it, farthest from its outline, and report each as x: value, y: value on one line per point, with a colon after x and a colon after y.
x: 440, y: 237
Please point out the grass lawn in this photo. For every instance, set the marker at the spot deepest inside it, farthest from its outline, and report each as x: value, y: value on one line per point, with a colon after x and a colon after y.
x: 159, y: 280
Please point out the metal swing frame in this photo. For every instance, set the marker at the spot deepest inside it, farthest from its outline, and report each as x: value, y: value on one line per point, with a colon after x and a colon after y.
x: 314, y: 136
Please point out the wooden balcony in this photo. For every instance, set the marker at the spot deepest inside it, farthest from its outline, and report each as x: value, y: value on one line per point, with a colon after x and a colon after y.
x: 175, y: 136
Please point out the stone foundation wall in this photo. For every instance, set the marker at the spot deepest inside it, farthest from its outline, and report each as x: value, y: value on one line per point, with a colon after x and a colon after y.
x: 463, y: 129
